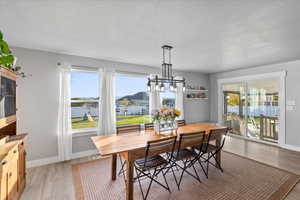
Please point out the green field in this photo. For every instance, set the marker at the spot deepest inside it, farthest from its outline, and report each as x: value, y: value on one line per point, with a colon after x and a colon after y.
x: 79, y: 123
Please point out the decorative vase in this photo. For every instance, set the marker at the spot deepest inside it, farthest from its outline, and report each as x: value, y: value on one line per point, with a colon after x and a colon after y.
x: 164, y: 126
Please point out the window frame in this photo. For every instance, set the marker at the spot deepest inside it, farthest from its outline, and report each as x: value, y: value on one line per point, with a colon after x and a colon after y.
x: 162, y: 99
x: 134, y: 75
x: 84, y: 131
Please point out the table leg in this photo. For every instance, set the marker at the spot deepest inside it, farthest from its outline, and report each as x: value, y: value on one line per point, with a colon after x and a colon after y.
x: 129, y: 179
x: 218, y: 144
x: 114, y: 167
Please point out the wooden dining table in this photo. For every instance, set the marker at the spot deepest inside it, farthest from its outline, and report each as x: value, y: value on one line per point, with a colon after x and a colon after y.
x: 131, y: 146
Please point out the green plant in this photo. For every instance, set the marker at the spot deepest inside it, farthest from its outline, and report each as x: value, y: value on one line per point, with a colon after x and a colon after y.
x: 6, y: 57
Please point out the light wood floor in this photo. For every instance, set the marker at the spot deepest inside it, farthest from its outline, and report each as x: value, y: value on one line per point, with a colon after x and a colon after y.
x: 54, y: 182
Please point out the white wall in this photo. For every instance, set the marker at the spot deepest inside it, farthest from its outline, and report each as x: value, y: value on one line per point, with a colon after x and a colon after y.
x: 37, y: 98
x: 292, y: 93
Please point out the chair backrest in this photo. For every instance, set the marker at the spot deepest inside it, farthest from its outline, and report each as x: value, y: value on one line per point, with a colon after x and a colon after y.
x: 215, y: 133
x: 181, y: 122
x: 149, y: 126
x: 128, y: 128
x: 191, y: 139
x: 163, y: 145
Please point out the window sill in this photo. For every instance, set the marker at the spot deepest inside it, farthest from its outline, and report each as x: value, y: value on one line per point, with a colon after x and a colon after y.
x: 84, y: 132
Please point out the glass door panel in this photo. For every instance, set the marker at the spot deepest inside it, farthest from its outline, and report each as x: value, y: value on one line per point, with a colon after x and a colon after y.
x: 234, y: 110
x: 263, y: 109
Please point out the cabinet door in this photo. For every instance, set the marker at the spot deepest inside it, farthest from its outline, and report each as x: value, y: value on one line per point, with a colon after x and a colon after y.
x: 4, y: 180
x: 13, y: 178
x: 22, y: 166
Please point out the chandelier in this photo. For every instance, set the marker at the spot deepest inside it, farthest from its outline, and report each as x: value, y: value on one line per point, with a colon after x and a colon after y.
x: 167, y: 78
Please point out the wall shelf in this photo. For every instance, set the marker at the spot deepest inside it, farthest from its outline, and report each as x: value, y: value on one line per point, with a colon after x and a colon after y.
x: 194, y: 90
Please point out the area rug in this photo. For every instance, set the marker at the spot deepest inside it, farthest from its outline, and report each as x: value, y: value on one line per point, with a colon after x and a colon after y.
x: 243, y: 179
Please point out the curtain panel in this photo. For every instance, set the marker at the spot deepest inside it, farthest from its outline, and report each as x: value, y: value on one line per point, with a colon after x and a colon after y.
x: 154, y: 98
x: 64, y: 112
x: 107, y: 102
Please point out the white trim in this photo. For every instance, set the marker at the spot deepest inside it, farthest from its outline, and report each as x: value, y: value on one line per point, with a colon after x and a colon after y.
x: 279, y: 75
x: 84, y: 154
x: 290, y: 147
x: 87, y: 69
x: 43, y: 161
x: 83, y: 133
x: 131, y: 74
x: 253, y: 139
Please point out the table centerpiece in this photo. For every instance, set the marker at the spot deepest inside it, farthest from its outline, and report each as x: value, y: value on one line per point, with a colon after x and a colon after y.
x: 164, y: 120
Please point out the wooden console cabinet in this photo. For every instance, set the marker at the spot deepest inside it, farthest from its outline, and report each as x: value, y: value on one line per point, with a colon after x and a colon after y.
x: 13, y: 167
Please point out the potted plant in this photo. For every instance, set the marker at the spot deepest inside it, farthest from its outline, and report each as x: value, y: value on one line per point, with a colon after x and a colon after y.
x: 7, y: 59
x: 164, y: 119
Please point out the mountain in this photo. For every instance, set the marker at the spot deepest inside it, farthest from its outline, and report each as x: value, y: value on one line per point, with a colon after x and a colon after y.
x: 137, y: 96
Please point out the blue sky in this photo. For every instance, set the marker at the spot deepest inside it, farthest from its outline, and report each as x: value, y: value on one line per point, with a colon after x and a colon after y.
x: 85, y: 84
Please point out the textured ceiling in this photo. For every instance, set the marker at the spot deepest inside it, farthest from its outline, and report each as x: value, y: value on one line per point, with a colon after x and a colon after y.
x: 208, y: 35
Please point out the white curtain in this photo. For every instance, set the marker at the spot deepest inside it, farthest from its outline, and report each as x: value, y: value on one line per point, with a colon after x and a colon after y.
x: 154, y: 98
x: 64, y: 118
x: 179, y: 99
x: 107, y: 104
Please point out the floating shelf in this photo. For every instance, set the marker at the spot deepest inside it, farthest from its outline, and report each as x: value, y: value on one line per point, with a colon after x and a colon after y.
x: 194, y: 90
x: 196, y: 98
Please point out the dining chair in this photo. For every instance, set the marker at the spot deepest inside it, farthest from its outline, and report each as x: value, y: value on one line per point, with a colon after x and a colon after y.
x: 149, y: 126
x: 153, y: 164
x: 210, y: 151
x: 121, y: 130
x: 181, y: 122
x: 187, y: 156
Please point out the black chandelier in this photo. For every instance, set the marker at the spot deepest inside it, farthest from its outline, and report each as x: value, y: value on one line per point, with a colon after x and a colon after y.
x: 167, y: 77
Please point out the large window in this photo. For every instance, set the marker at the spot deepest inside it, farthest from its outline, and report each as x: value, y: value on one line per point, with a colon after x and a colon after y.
x: 168, y: 99
x: 132, y: 99
x: 84, y: 100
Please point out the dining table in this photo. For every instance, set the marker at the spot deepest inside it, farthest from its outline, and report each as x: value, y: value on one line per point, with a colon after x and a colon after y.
x: 131, y: 146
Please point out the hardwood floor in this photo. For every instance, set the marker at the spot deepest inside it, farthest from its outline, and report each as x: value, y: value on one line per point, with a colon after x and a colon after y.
x: 55, y: 181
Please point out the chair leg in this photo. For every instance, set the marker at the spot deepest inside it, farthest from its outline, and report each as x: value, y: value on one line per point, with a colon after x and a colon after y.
x: 164, y: 175
x: 175, y: 177
x: 199, y: 161
x: 198, y: 178
x: 218, y: 164
x: 139, y: 181
x: 149, y: 186
x: 122, y: 170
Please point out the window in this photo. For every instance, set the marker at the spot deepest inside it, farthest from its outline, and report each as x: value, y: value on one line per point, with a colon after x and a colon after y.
x: 168, y: 99
x: 84, y: 100
x: 132, y: 100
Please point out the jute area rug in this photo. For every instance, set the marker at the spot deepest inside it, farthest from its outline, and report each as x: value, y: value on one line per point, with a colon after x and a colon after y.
x: 243, y: 179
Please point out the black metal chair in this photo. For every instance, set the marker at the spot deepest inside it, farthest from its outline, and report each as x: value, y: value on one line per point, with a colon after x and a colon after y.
x: 154, y: 164
x: 149, y: 126
x: 181, y: 122
x: 121, y: 130
x: 188, y: 157
x: 210, y: 151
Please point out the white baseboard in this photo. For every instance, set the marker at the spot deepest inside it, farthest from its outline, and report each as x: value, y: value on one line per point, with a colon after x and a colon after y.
x: 290, y: 147
x: 284, y: 146
x: 55, y: 159
x: 84, y: 154
x: 43, y: 161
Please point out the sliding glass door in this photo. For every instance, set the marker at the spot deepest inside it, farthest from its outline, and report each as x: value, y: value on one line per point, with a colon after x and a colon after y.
x: 234, y: 115
x: 251, y: 108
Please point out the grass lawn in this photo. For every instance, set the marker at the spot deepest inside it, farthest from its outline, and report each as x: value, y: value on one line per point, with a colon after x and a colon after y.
x: 78, y: 123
